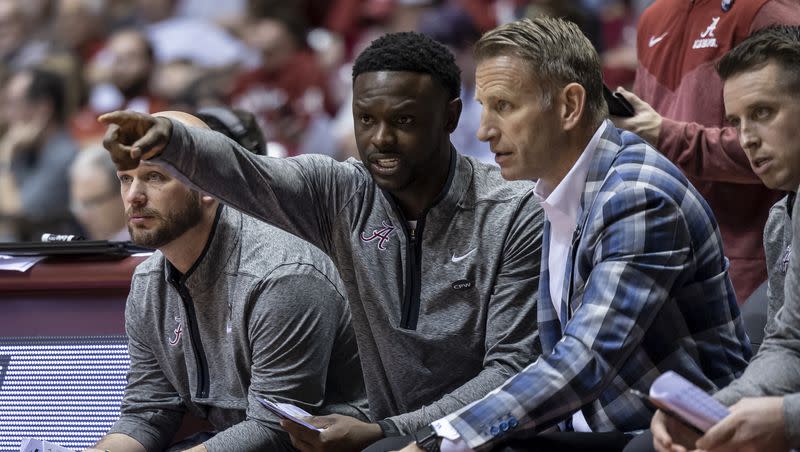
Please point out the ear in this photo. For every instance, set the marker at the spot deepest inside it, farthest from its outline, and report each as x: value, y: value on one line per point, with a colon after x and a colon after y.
x: 453, y: 114
x: 573, y: 104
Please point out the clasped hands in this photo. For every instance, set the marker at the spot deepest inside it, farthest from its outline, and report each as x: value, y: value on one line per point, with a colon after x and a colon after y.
x: 754, y: 424
x: 340, y: 434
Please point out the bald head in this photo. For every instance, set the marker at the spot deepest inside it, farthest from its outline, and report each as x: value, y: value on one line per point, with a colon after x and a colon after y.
x: 183, y: 118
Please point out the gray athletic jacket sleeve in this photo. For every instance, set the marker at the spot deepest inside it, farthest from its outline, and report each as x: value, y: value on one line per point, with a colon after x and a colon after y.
x: 775, y: 370
x: 152, y: 409
x: 301, y: 199
x: 290, y: 361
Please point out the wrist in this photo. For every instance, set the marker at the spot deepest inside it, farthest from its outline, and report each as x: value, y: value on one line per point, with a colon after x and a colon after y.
x: 373, y: 432
x: 388, y: 428
x: 428, y: 440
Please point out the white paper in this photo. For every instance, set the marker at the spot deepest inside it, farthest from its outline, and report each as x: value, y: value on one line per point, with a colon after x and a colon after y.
x: 289, y: 412
x: 36, y: 445
x: 18, y: 263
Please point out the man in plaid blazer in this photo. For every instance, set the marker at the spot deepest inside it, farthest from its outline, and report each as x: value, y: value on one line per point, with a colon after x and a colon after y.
x: 634, y: 281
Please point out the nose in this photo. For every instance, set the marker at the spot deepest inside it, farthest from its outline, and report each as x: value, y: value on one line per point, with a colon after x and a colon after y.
x: 487, y: 131
x: 748, y: 138
x: 134, y: 194
x: 383, y: 137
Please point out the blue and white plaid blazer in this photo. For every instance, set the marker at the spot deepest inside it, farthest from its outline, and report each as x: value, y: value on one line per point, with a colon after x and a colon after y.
x: 646, y: 291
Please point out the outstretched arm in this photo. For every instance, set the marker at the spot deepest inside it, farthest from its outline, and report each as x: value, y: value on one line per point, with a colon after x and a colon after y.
x: 302, y: 195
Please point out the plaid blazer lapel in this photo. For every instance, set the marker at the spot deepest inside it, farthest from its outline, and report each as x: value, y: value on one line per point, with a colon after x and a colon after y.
x: 549, y: 326
x: 607, y: 149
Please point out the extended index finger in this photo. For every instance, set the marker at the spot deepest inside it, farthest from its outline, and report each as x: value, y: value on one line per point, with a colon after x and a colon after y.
x: 115, y: 117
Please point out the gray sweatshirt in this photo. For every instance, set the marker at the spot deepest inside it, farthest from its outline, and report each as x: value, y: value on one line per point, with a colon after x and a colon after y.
x: 443, y: 315
x: 260, y: 314
x: 775, y: 370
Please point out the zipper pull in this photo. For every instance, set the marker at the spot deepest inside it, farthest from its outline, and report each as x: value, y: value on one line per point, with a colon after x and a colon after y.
x: 228, y: 325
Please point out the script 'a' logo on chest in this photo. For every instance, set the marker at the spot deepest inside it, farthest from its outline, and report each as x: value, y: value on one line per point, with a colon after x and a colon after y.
x: 177, y: 332
x: 381, y: 234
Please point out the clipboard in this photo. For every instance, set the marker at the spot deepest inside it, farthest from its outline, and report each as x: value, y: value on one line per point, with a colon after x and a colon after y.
x: 103, y: 248
x: 288, y: 412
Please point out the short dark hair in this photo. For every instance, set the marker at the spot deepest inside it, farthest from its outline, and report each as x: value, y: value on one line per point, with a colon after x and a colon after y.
x: 47, y: 86
x: 557, y: 53
x: 409, y: 51
x: 776, y: 43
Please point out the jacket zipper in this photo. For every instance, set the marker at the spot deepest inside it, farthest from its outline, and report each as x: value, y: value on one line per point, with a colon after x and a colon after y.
x: 411, y: 297
x: 197, y: 344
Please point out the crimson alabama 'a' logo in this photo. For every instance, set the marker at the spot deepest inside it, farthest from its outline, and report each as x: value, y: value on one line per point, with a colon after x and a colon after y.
x: 381, y: 235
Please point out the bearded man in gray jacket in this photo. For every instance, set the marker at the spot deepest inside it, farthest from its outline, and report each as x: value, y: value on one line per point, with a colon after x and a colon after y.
x: 440, y: 255
x: 228, y: 311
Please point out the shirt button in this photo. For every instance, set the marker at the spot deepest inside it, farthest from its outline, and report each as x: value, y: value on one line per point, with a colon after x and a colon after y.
x: 494, y: 430
x: 513, y: 423
x: 504, y: 426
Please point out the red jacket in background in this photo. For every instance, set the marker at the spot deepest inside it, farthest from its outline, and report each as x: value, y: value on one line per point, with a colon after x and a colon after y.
x: 678, y: 44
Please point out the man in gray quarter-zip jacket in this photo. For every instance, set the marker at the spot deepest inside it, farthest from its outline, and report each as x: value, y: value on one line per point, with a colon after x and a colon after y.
x: 227, y: 311
x: 439, y: 255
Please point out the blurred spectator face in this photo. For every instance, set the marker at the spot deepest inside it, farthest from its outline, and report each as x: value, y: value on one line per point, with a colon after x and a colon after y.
x: 159, y: 208
x: 155, y: 10
x: 275, y: 42
x: 17, y: 107
x: 77, y: 21
x: 131, y: 62
x: 12, y: 27
x: 171, y: 80
x: 95, y: 200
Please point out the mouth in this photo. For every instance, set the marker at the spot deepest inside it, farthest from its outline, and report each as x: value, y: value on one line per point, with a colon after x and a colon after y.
x: 384, y: 164
x: 141, y: 217
x: 138, y: 219
x: 761, y: 164
x: 500, y: 156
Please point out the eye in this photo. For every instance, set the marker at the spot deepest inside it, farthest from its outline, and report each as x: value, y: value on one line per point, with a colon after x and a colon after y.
x: 734, y: 122
x: 365, y: 119
x: 761, y: 113
x: 125, y: 179
x: 502, y: 105
x: 405, y: 120
x: 155, y: 177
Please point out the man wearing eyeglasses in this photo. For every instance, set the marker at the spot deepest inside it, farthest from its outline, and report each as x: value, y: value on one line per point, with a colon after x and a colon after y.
x: 94, y: 196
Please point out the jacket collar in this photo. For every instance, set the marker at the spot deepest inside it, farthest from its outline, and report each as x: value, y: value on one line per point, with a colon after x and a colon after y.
x: 458, y: 179
x: 213, y: 261
x: 608, y: 148
x: 611, y: 143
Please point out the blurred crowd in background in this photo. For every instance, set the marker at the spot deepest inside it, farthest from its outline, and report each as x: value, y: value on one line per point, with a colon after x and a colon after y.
x: 64, y: 62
